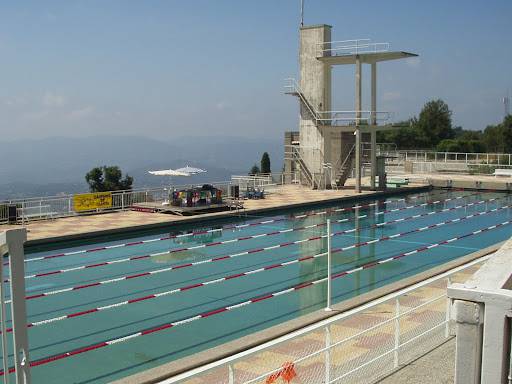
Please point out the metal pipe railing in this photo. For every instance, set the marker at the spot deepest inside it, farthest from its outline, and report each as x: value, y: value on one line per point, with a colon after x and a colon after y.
x: 338, y: 319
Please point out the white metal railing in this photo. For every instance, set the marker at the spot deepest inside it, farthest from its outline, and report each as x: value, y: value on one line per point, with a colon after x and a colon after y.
x: 337, y: 117
x: 350, y: 47
x: 432, y: 161
x: 305, y: 156
x: 483, y: 316
x: 11, y: 244
x: 392, y: 340
x: 49, y: 207
x: 447, y: 157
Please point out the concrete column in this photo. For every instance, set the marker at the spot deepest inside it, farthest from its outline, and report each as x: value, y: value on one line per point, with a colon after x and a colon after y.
x: 468, y: 328
x: 315, y: 83
x: 373, y: 122
x: 358, y: 122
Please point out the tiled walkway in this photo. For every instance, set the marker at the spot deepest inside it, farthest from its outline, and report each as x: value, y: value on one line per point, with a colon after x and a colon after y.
x: 282, y: 196
x: 354, y: 352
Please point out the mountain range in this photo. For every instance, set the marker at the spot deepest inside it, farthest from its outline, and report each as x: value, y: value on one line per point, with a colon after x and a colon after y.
x: 58, y: 165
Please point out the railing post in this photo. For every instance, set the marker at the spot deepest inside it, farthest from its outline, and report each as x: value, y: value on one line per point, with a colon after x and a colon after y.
x: 448, y: 310
x: 327, y: 355
x: 122, y: 200
x: 12, y: 241
x: 397, y: 332
x: 329, y: 267
x: 231, y: 374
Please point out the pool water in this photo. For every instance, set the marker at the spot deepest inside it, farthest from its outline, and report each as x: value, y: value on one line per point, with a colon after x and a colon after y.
x: 179, y: 265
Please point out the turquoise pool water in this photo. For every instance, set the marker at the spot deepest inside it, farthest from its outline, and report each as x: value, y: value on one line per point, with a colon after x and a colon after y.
x: 122, y: 280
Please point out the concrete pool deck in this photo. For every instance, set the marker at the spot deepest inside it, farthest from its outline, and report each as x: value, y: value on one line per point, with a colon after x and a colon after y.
x: 288, y: 196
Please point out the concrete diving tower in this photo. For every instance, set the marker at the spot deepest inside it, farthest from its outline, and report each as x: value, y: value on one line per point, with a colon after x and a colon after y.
x: 330, y: 141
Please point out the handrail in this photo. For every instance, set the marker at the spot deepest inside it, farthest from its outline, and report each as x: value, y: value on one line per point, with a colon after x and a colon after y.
x: 344, y: 161
x: 294, y: 86
x: 228, y: 361
x: 351, y: 47
x: 356, y: 116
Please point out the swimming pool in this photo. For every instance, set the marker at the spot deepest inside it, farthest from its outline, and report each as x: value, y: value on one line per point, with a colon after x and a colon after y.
x: 102, y: 311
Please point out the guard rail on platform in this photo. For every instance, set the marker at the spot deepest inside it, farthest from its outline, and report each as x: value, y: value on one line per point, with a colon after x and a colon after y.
x: 391, y: 331
x: 50, y: 207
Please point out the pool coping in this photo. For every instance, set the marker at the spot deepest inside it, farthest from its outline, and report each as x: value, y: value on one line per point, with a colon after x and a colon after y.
x: 215, y: 216
x: 174, y: 368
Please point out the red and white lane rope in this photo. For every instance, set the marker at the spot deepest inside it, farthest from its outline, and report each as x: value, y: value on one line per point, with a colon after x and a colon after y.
x: 156, y: 254
x: 356, y: 245
x: 241, y: 226
x: 257, y: 299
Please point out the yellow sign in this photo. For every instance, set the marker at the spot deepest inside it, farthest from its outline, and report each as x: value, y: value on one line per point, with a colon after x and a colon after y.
x: 92, y: 201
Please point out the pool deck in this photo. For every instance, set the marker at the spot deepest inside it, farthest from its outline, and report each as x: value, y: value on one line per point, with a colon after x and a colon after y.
x: 459, y: 180
x: 89, y: 226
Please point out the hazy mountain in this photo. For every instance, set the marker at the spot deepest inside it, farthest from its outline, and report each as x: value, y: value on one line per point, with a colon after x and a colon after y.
x: 58, y: 165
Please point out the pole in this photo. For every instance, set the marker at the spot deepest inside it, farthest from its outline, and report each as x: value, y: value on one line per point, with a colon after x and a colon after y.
x: 373, y: 134
x: 3, y: 320
x: 14, y: 239
x: 329, y: 267
x: 301, y: 13
x: 358, y: 123
x: 327, y: 355
x: 397, y: 332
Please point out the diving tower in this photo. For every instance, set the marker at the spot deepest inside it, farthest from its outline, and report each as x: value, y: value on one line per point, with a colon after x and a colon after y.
x: 329, y: 145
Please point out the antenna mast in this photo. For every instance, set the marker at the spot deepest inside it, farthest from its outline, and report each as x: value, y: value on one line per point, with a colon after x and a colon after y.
x: 506, y: 104
x: 301, y: 13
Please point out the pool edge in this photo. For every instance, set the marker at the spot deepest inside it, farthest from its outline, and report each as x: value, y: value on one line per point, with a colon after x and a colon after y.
x: 210, y: 217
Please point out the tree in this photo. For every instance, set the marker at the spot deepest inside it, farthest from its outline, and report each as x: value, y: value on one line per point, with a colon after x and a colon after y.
x: 460, y: 145
x: 406, y: 136
x: 435, y: 122
x: 107, y: 178
x: 265, y: 163
x: 254, y: 170
x: 498, y: 138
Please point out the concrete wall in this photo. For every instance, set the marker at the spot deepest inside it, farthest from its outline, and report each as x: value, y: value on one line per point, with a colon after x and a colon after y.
x: 315, y: 82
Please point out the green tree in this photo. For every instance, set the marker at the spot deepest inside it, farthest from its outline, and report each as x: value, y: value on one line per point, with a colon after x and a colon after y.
x: 435, y: 123
x: 498, y: 138
x: 107, y: 178
x: 265, y: 163
x: 460, y: 145
x: 405, y: 136
x: 254, y: 170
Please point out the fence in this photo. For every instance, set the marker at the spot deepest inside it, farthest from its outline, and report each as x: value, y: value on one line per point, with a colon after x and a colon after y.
x: 62, y: 206
x: 468, y: 158
x: 431, y: 162
x: 357, y: 346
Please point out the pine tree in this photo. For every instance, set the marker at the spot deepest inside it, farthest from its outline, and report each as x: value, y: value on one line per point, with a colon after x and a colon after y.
x: 265, y: 163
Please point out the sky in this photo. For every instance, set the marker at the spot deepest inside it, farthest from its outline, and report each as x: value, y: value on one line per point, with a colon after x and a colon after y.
x: 169, y: 68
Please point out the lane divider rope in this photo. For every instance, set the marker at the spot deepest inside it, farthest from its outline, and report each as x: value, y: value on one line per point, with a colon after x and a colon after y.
x: 212, y: 244
x: 257, y: 299
x: 145, y: 274
x: 204, y: 283
x: 229, y: 227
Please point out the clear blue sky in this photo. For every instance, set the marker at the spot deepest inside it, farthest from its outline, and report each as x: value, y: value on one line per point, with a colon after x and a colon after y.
x: 172, y: 68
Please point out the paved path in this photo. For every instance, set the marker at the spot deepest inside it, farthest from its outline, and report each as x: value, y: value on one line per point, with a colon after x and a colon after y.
x: 283, y: 196
x: 436, y: 367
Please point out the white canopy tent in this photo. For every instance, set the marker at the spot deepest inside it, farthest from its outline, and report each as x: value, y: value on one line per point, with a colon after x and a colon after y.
x: 191, y: 170
x: 169, y: 172
x: 184, y: 171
